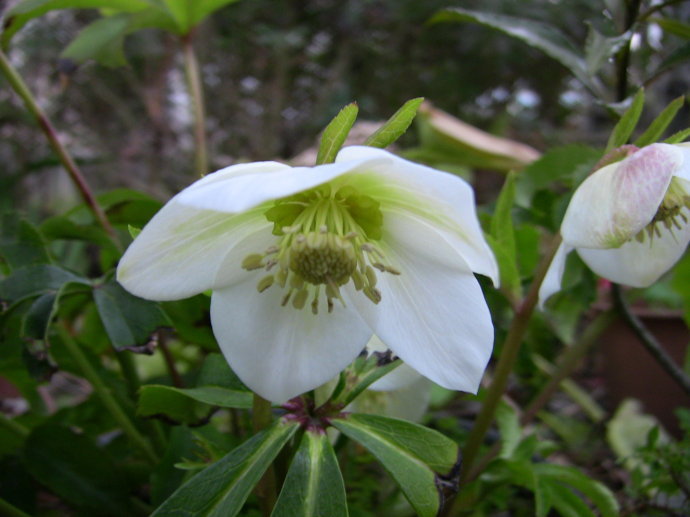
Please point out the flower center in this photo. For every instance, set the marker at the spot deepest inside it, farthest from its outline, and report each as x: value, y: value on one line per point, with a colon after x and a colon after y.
x: 325, y: 238
x: 669, y: 214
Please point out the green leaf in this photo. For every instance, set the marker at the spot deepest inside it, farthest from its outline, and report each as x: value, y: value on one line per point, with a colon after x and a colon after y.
x: 544, y: 37
x: 101, y: 41
x: 215, y: 371
x: 129, y: 321
x: 180, y: 405
x: 73, y: 467
x: 21, y: 244
x: 335, y: 134
x: 659, y: 125
x: 314, y: 485
x: 165, y: 477
x: 599, y: 48
x: 509, y: 427
x: 626, y: 125
x: 419, y: 459
x: 25, y: 11
x: 673, y: 26
x: 361, y: 374
x: 503, y: 237
x: 221, y: 489
x: 596, y: 492
x: 35, y: 280
x: 395, y: 126
x: 678, y: 137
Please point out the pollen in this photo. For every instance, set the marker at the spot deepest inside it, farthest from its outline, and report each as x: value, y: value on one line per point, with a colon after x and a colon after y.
x: 670, y: 215
x: 325, y: 238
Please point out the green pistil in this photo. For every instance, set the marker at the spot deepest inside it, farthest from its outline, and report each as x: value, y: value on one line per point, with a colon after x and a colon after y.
x: 669, y: 214
x: 326, y: 239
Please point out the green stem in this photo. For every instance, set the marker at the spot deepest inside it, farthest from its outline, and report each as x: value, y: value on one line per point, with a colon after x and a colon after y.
x: 506, y: 362
x: 129, y: 372
x: 649, y: 341
x: 10, y: 510
x: 13, y: 426
x: 565, y: 367
x: 68, y: 163
x: 266, y: 490
x: 105, y: 395
x: 194, y: 85
x: 623, y: 56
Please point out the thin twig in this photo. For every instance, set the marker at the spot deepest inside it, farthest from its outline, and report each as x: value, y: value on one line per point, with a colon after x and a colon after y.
x: 649, y: 341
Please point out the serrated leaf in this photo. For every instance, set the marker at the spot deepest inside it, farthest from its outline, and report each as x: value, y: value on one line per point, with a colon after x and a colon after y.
x: 395, y: 126
x: 314, y: 485
x: 221, y: 489
x: 659, y: 125
x: 415, y: 456
x: 600, y: 48
x: 335, y: 134
x: 680, y: 136
x: 101, y: 41
x: 503, y: 236
x: 35, y: 280
x: 21, y: 243
x: 596, y: 492
x: 25, y: 11
x: 73, y: 467
x: 544, y: 37
x: 626, y: 125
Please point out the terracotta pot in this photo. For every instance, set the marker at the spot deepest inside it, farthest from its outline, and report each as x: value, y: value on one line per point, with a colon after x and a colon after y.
x: 629, y: 370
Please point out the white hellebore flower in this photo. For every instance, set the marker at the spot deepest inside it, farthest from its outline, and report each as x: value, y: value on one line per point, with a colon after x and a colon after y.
x: 628, y: 221
x: 307, y: 263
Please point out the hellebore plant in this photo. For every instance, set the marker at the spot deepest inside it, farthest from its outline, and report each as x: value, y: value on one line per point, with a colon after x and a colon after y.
x: 307, y: 263
x: 628, y: 220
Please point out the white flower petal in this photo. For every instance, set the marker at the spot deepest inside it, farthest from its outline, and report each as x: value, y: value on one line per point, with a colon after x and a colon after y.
x: 239, y: 192
x: 444, y: 200
x: 178, y: 252
x: 281, y: 352
x: 554, y: 275
x: 616, y: 202
x: 639, y: 264
x: 432, y: 316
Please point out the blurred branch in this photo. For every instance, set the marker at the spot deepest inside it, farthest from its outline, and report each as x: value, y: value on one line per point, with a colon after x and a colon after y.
x: 658, y: 7
x: 195, y: 86
x: 649, y: 341
x: 11, y: 510
x: 20, y: 87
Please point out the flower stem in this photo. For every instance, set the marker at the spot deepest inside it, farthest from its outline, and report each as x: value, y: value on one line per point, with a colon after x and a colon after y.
x: 13, y: 426
x: 194, y: 85
x: 105, y: 395
x: 649, y: 341
x: 65, y: 158
x: 10, y: 510
x: 266, y: 489
x: 505, y: 365
x: 564, y: 368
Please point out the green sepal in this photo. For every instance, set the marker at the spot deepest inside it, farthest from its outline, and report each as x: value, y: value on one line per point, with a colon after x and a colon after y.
x: 422, y: 461
x: 659, y: 125
x: 221, y: 489
x: 362, y: 373
x: 395, y: 126
x: 678, y: 137
x: 335, y: 134
x: 626, y: 125
x: 314, y: 485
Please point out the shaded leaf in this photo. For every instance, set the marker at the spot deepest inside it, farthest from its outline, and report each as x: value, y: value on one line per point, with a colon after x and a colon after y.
x: 77, y: 470
x: 314, y: 485
x: 35, y: 280
x: 418, y: 458
x: 673, y: 26
x: 335, y: 134
x: 395, y: 126
x: 128, y: 320
x: 101, y: 41
x: 545, y: 37
x: 600, y: 48
x: 21, y: 244
x: 221, y: 489
x: 503, y: 237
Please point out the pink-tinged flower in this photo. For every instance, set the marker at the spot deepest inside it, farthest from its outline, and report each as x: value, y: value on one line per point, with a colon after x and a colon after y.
x: 307, y: 263
x: 628, y: 221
